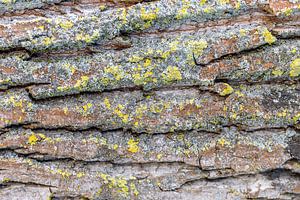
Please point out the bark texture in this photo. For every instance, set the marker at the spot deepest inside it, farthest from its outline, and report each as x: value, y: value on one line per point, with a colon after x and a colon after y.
x: 136, y: 99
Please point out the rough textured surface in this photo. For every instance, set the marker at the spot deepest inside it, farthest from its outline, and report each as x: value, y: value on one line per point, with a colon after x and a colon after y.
x: 134, y: 99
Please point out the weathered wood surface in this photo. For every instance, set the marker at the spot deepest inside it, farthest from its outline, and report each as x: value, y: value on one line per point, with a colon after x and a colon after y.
x: 166, y: 99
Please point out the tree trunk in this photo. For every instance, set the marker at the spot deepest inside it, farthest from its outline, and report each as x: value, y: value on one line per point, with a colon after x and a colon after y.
x: 166, y: 99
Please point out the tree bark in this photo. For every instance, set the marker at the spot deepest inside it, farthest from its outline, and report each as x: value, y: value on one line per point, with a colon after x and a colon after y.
x: 133, y: 99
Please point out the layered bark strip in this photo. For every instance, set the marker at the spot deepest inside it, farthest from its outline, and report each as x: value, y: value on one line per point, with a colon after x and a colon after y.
x: 136, y: 99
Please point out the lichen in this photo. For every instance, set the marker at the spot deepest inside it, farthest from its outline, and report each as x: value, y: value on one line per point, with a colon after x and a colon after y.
x: 296, y: 118
x: 268, y: 37
x: 66, y: 25
x: 295, y: 68
x: 32, y: 139
x: 82, y: 82
x: 277, y: 72
x: 5, y: 180
x: 183, y: 11
x: 223, y: 142
x: 172, y: 74
x: 80, y: 174
x: 107, y: 103
x: 228, y: 90
x: 63, y: 173
x: 118, y: 183
x: 133, y: 145
x: 149, y: 15
x: 208, y: 10
x: 87, y: 107
x: 202, y: 2
x: 119, y: 112
x: 197, y: 47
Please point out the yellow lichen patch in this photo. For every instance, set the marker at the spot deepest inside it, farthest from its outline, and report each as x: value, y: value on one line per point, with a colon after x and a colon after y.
x: 288, y: 11
x: 102, y: 7
x: 82, y: 82
x: 173, y: 46
x: 149, y: 15
x: 208, y: 9
x: 5, y: 180
x: 237, y: 5
x: 87, y: 107
x: 294, y: 50
x: 277, y: 72
x: 119, y: 112
x: 47, y: 41
x: 183, y: 11
x: 80, y: 174
x: 87, y: 38
x: 223, y: 142
x: 64, y: 174
x: 228, y: 90
x: 243, y: 32
x: 123, y: 15
x: 115, y: 147
x: 202, y: 2
x: 159, y: 156
x: 135, y: 59
x: 295, y: 68
x: 107, y: 103
x: 32, y: 139
x: 115, y: 71
x: 197, y: 47
x: 282, y: 114
x: 296, y: 118
x: 118, y: 183
x: 65, y: 110
x: 66, y: 25
x: 69, y: 67
x: 172, y: 74
x: 239, y: 93
x: 42, y: 136
x: 133, y: 189
x: 147, y: 62
x: 268, y: 37
x: 140, y: 110
x: 133, y: 145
